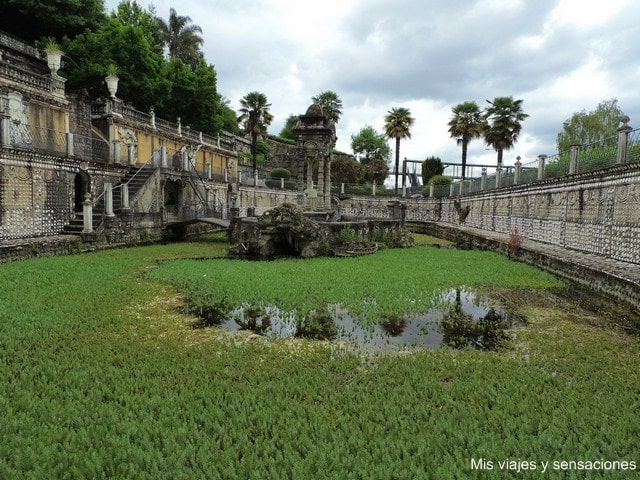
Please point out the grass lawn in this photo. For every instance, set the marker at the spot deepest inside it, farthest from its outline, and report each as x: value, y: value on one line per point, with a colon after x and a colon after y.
x: 102, y: 375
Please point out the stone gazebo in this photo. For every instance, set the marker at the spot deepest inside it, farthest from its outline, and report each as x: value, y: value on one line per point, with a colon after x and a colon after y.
x: 316, y: 137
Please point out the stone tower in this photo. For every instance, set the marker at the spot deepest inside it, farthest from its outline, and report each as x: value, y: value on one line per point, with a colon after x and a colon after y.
x: 316, y: 137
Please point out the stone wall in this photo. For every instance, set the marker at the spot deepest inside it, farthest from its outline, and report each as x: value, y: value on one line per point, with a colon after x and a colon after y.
x: 596, y: 212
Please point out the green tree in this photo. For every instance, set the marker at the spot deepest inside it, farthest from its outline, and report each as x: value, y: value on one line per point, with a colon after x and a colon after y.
x: 503, y: 116
x: 466, y: 124
x: 181, y: 38
x: 397, y: 125
x: 33, y: 19
x: 583, y: 128
x: 376, y: 170
x: 330, y: 103
x: 193, y: 96
x: 289, y: 125
x: 255, y: 118
x: 431, y: 167
x: 132, y: 49
x: 368, y: 145
x: 346, y: 169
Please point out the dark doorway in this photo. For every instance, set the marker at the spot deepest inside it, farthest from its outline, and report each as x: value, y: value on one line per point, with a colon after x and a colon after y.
x: 80, y: 189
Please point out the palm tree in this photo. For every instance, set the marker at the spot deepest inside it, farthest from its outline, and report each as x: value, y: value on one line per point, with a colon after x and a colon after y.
x: 397, y: 124
x: 255, y: 118
x: 330, y: 103
x: 182, y: 39
x: 466, y: 124
x: 503, y: 118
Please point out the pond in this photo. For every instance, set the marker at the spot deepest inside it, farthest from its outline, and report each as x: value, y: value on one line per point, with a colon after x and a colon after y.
x: 460, y: 318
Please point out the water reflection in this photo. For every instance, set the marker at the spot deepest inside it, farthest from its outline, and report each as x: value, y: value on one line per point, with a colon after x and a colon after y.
x: 430, y: 329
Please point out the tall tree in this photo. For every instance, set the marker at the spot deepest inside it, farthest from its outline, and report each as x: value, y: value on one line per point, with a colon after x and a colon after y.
x: 255, y: 118
x: 368, y: 145
x: 33, y: 19
x: 182, y: 39
x: 466, y: 124
x: 503, y: 116
x: 289, y: 125
x: 590, y: 127
x: 397, y: 124
x: 330, y: 103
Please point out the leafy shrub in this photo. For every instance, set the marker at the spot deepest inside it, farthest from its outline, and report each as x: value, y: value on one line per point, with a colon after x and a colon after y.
x: 280, y: 172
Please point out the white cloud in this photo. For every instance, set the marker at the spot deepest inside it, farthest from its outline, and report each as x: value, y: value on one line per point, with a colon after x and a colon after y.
x: 559, y: 56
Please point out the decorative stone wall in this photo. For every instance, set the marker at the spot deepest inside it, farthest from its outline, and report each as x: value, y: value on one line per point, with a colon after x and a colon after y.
x: 596, y: 212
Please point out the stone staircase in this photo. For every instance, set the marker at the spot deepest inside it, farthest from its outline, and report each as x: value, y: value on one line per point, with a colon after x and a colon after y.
x: 136, y: 177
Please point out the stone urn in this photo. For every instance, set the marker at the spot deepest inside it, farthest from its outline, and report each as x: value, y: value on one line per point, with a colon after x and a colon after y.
x: 112, y: 84
x: 54, y: 59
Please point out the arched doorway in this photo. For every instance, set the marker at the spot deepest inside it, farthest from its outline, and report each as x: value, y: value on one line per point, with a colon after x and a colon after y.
x: 81, y: 183
x: 172, y: 197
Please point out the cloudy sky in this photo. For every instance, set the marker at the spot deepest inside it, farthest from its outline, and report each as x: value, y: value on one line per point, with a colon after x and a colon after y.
x: 558, y: 56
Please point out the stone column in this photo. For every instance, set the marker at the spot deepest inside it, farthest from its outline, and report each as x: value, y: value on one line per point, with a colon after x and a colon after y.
x: 517, y: 171
x: 5, y: 124
x: 327, y: 183
x: 152, y: 113
x: 163, y: 157
x: 87, y: 214
x: 124, y: 192
x: 282, y: 183
x: 623, y: 140
x: 321, y: 165
x: 209, y: 171
x: 179, y: 127
x: 483, y: 179
x: 131, y: 154
x: 70, y: 146
x: 373, y: 188
x: 451, y: 187
x: 431, y: 188
x: 115, y: 149
x: 342, y: 188
x: 404, y: 178
x: 108, y: 200
x: 573, y: 159
x: 541, y: 161
x: 461, y: 187
x: 498, y: 176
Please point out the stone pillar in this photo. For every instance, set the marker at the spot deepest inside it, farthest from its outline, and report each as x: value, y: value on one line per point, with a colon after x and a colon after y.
x: 373, y: 188
x: 163, y: 157
x: 115, y: 149
x: 70, y: 146
x: 327, y: 183
x: 342, y: 188
x: 498, y: 176
x: 623, y: 140
x: 541, y: 161
x: 5, y: 124
x: 461, y: 187
x: 431, y: 188
x: 451, y: 187
x: 404, y: 178
x: 483, y: 179
x: 185, y: 160
x: 152, y: 113
x: 209, y: 171
x: 517, y: 171
x: 124, y: 192
x: 200, y: 136
x: 87, y: 214
x: 131, y: 154
x: 321, y: 166
x: 573, y: 159
x: 108, y: 200
x: 282, y: 183
x: 179, y: 127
